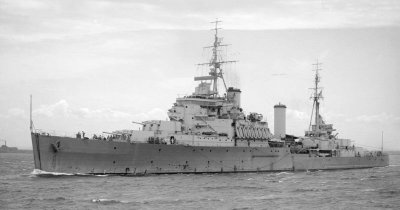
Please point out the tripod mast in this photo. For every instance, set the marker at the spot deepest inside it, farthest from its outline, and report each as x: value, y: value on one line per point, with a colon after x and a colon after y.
x: 317, y: 95
x: 216, y: 62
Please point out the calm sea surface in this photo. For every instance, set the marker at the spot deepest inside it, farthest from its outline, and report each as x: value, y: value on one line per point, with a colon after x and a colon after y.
x: 375, y: 188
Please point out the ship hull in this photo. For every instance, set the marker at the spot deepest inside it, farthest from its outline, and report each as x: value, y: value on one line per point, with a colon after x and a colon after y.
x: 72, y: 155
x: 304, y: 162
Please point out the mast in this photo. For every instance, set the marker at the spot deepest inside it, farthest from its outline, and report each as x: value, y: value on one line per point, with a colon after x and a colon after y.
x: 215, y: 61
x: 30, y: 115
x: 214, y: 58
x: 382, y: 143
x: 317, y: 95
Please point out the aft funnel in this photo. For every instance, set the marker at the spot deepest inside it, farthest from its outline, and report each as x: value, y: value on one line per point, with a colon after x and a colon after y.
x: 279, y: 121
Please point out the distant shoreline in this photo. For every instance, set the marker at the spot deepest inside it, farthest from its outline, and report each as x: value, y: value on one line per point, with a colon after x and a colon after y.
x: 19, y: 151
x: 397, y: 152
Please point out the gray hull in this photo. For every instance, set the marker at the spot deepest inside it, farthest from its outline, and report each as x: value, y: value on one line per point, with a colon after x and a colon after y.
x: 71, y: 155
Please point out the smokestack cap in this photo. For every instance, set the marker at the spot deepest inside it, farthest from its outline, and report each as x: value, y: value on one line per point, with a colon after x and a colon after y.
x: 232, y: 89
x: 280, y: 105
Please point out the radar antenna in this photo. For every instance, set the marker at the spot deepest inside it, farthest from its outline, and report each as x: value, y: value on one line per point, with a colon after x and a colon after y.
x: 215, y: 62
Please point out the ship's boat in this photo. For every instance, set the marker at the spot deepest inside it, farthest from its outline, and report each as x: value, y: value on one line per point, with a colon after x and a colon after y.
x: 206, y: 133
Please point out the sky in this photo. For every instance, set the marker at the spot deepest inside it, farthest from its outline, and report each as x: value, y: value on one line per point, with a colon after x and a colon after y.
x: 97, y: 65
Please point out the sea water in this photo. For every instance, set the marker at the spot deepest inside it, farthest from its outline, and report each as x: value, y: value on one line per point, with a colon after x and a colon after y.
x: 22, y: 187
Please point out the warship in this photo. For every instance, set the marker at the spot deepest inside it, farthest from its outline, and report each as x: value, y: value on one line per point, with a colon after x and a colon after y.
x: 206, y: 133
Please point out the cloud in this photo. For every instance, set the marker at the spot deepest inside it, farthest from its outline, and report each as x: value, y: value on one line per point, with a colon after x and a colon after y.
x: 17, y: 112
x: 110, y: 114
x: 154, y: 114
x: 330, y: 116
x: 377, y: 118
x: 39, y: 20
x: 14, y: 113
x: 57, y: 109
x: 99, y: 113
x: 291, y: 113
x: 64, y: 110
